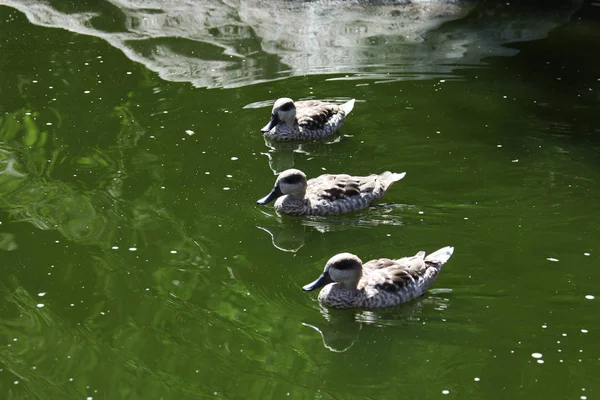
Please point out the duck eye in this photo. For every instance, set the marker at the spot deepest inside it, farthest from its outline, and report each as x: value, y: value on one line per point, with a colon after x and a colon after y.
x: 345, y: 264
x: 286, y: 107
x: 292, y: 180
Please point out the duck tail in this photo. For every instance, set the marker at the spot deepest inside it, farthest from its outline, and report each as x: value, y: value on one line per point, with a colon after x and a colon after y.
x: 348, y: 106
x: 388, y: 178
x: 440, y: 256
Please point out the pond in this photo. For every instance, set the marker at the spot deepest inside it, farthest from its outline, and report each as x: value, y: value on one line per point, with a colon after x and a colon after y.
x: 135, y: 263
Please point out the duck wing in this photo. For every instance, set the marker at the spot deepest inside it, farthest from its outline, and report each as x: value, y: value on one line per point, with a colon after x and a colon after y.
x: 394, y: 275
x: 315, y: 113
x: 341, y: 186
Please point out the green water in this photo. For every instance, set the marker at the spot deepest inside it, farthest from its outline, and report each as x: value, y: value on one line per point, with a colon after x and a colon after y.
x: 136, y: 265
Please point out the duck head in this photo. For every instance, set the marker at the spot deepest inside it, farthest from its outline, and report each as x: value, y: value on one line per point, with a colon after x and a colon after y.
x: 284, y: 110
x: 343, y: 268
x: 289, y: 182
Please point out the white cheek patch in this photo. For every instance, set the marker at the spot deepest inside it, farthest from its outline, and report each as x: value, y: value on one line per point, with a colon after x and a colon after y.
x: 287, y: 116
x: 342, y: 275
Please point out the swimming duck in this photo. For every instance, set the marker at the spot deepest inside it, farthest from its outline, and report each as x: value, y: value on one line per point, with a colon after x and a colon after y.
x: 305, y: 120
x: 378, y: 283
x: 327, y: 194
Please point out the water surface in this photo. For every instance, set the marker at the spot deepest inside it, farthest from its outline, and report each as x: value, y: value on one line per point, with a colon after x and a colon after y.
x: 135, y: 263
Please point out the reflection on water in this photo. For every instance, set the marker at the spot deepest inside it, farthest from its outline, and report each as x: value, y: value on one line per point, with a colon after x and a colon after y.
x: 287, y: 233
x: 135, y: 263
x: 281, y: 154
x: 341, y: 328
x: 379, y: 214
x: 31, y: 192
x: 338, y: 337
x: 229, y: 43
x: 289, y: 238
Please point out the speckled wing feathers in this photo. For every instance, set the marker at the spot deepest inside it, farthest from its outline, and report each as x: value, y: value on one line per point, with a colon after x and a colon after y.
x: 394, y: 275
x: 314, y: 114
x: 340, y: 187
x: 386, y: 282
x: 314, y: 119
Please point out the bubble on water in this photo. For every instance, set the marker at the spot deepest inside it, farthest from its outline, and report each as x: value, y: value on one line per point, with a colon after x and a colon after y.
x: 445, y: 391
x: 589, y: 297
x: 476, y: 379
x: 234, y: 158
x: 552, y: 259
x: 586, y: 254
x: 540, y: 361
x: 225, y: 188
x: 536, y: 355
x: 584, y: 331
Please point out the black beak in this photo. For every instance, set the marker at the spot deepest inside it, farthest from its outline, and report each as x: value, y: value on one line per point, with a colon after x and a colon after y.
x: 275, y: 193
x: 321, y: 281
x: 274, y: 120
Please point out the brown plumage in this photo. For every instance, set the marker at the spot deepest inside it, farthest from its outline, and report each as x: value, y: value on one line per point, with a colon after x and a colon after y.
x: 348, y: 283
x: 327, y: 194
x: 305, y: 120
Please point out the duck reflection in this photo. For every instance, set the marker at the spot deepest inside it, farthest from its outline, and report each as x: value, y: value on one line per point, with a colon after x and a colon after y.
x: 339, y: 333
x: 340, y: 329
x: 287, y: 237
x: 288, y: 234
x: 281, y: 154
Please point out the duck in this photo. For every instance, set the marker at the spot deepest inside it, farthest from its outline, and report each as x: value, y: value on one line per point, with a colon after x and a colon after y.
x: 305, y: 120
x: 348, y: 283
x: 328, y: 194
